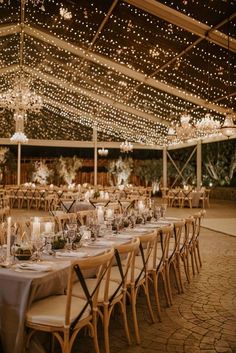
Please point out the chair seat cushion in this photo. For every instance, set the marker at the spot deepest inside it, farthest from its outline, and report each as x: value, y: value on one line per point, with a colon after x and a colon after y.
x: 91, y: 283
x: 51, y: 311
x: 116, y: 276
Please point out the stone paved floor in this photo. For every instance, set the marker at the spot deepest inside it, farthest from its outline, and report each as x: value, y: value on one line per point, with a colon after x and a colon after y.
x: 201, y: 320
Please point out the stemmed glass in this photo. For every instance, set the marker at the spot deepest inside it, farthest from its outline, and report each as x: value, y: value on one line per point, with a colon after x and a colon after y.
x: 163, y: 209
x: 157, y: 212
x: 38, y: 244
x: 70, y: 234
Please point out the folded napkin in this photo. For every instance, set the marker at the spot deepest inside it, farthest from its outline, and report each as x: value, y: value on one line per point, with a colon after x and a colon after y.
x: 137, y: 230
x: 122, y: 236
x: 34, y: 266
x: 71, y: 254
x: 104, y: 243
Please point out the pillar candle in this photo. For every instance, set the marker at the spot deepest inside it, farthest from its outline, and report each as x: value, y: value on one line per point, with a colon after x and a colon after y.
x: 48, y: 227
x: 8, y: 238
x: 36, y: 229
x: 109, y: 213
x: 100, y: 215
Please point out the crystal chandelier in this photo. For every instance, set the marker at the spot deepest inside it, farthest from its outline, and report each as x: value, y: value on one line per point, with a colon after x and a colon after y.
x: 103, y: 152
x: 207, y: 126
x: 187, y: 131
x: 126, y: 147
x: 20, y: 98
x: 19, y: 135
x: 228, y: 128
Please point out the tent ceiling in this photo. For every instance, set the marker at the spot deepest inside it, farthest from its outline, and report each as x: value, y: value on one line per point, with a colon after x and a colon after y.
x: 125, y: 68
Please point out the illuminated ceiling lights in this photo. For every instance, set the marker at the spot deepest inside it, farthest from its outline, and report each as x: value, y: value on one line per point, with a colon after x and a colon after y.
x: 126, y: 147
x: 103, y: 152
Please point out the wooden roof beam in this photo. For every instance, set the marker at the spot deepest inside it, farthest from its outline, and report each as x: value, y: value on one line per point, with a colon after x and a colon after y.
x: 8, y: 30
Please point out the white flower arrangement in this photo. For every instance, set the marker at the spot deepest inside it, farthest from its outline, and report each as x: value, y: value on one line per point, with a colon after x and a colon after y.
x: 41, y: 174
x: 68, y: 168
x: 122, y: 169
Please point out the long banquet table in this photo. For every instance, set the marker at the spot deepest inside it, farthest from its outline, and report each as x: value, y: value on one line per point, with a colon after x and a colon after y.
x: 19, y: 288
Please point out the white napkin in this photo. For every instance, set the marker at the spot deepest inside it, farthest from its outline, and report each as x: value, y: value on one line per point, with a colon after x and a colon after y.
x: 104, y: 243
x: 34, y: 267
x: 122, y: 236
x: 71, y: 254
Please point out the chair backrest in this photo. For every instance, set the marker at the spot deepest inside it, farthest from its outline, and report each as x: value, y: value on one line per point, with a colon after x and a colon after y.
x: 189, y: 232
x: 63, y: 219
x: 198, y: 218
x: 102, y: 263
x: 125, y: 260
x: 146, y: 249
x: 83, y: 216
x: 179, y: 235
x: 162, y: 243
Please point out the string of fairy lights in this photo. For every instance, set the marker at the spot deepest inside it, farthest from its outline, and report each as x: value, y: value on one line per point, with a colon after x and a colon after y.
x: 128, y: 39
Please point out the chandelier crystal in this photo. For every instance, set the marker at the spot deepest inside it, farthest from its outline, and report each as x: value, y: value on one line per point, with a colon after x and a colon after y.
x: 126, y: 147
x: 207, y: 126
x: 228, y: 128
x: 21, y: 98
x: 186, y: 131
x: 103, y: 152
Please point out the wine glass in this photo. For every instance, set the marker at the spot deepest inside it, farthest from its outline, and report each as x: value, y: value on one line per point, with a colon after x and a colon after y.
x: 38, y: 244
x: 163, y: 209
x: 157, y: 212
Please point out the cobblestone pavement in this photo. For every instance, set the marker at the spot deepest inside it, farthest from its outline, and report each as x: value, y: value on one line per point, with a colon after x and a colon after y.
x: 201, y: 320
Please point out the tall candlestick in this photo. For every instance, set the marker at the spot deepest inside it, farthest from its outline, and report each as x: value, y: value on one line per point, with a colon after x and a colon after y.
x: 8, y: 238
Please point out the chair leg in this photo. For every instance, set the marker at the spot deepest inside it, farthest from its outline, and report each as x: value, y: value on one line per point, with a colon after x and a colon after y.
x: 156, y: 294
x: 192, y: 261
x: 125, y: 321
x: 95, y: 335
x: 146, y: 291
x: 184, y: 258
x: 179, y: 273
x: 195, y: 257
x: 167, y: 272
x: 106, y: 319
x: 176, y: 274
x: 133, y: 296
x: 198, y: 253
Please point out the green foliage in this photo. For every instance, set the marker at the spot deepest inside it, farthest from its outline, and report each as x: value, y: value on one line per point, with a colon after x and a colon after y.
x: 149, y: 170
x: 220, y: 162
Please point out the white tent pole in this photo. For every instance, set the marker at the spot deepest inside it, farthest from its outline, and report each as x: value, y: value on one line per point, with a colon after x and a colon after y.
x: 199, y: 165
x: 95, y: 154
x: 18, y: 163
x: 164, y: 167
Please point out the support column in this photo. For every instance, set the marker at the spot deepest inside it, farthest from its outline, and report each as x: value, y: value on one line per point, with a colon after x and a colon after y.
x: 199, y: 164
x: 95, y: 155
x: 18, y: 163
x: 164, y: 168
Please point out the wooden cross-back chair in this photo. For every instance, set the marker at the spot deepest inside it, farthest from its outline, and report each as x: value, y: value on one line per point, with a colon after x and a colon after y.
x: 65, y: 315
